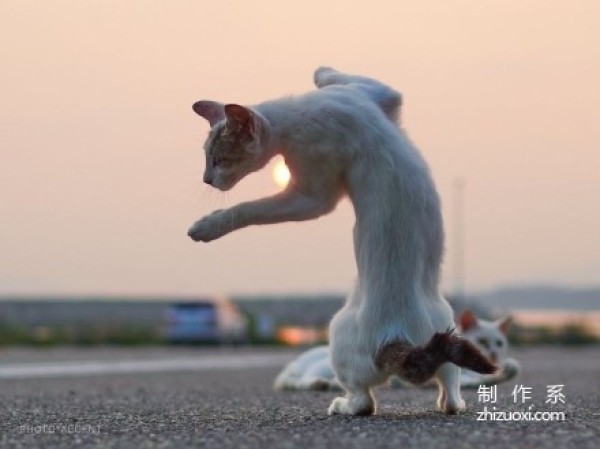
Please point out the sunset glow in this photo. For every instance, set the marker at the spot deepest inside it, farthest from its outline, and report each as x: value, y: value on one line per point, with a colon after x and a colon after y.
x: 514, y: 115
x: 281, y: 174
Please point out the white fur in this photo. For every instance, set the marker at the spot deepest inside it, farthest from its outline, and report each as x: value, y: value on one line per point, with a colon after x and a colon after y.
x: 312, y: 370
x: 341, y: 140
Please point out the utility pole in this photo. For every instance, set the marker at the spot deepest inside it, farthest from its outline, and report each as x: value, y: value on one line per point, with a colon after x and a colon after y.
x: 459, y: 238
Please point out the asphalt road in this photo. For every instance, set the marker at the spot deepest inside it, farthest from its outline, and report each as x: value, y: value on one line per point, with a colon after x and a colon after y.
x: 233, y: 406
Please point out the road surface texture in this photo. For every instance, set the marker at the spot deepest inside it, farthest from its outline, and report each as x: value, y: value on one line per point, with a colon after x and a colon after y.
x: 217, y: 404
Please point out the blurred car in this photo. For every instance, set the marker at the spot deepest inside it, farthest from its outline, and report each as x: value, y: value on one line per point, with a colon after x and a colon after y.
x: 205, y: 321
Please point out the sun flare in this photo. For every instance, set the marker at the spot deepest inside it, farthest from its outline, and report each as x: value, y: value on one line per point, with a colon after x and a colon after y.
x: 281, y: 174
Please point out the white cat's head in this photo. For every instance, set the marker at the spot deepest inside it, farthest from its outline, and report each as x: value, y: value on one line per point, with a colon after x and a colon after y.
x: 488, y: 336
x: 236, y: 144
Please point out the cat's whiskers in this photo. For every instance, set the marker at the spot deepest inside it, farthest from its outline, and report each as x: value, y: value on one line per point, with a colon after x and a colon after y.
x: 231, y: 215
x: 213, y: 198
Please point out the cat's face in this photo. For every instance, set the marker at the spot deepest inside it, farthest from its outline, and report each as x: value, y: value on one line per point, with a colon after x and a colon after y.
x: 230, y: 156
x: 488, y: 336
x: 234, y: 147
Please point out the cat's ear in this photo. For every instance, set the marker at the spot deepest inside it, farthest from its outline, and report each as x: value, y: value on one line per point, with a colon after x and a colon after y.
x: 241, y: 119
x: 467, y: 320
x: 504, y: 324
x: 212, y: 111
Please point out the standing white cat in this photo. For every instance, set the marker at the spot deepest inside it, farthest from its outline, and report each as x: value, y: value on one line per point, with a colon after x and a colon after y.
x: 342, y: 140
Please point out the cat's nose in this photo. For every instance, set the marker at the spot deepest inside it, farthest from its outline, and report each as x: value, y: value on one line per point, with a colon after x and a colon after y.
x: 208, y: 180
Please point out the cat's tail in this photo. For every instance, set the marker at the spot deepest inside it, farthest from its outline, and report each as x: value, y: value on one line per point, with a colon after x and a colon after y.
x: 418, y: 364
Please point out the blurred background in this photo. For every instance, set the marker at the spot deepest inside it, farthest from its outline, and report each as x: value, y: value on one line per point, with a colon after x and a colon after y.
x: 102, y: 164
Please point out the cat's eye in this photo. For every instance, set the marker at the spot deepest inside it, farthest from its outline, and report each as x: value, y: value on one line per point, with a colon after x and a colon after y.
x: 226, y: 163
x: 500, y: 343
x: 483, y: 342
x: 223, y: 162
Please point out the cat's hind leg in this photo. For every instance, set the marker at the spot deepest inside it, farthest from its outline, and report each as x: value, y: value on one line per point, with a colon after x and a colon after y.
x: 384, y: 96
x: 449, y: 399
x: 353, y: 365
x: 357, y: 402
x: 327, y: 76
x: 354, y: 374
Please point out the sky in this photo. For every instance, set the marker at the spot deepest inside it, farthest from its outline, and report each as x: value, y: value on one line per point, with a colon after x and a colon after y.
x: 101, y: 155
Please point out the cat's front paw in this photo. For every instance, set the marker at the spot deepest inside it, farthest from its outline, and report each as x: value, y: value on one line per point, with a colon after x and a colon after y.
x: 510, y: 369
x: 209, y: 228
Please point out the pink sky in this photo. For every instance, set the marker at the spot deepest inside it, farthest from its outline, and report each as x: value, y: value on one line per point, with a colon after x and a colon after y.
x: 102, y: 155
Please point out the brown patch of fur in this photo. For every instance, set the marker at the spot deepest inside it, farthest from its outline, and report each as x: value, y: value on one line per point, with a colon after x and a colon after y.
x: 418, y: 364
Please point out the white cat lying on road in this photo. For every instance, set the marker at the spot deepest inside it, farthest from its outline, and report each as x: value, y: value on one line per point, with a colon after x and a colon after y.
x: 312, y: 370
x: 490, y: 338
